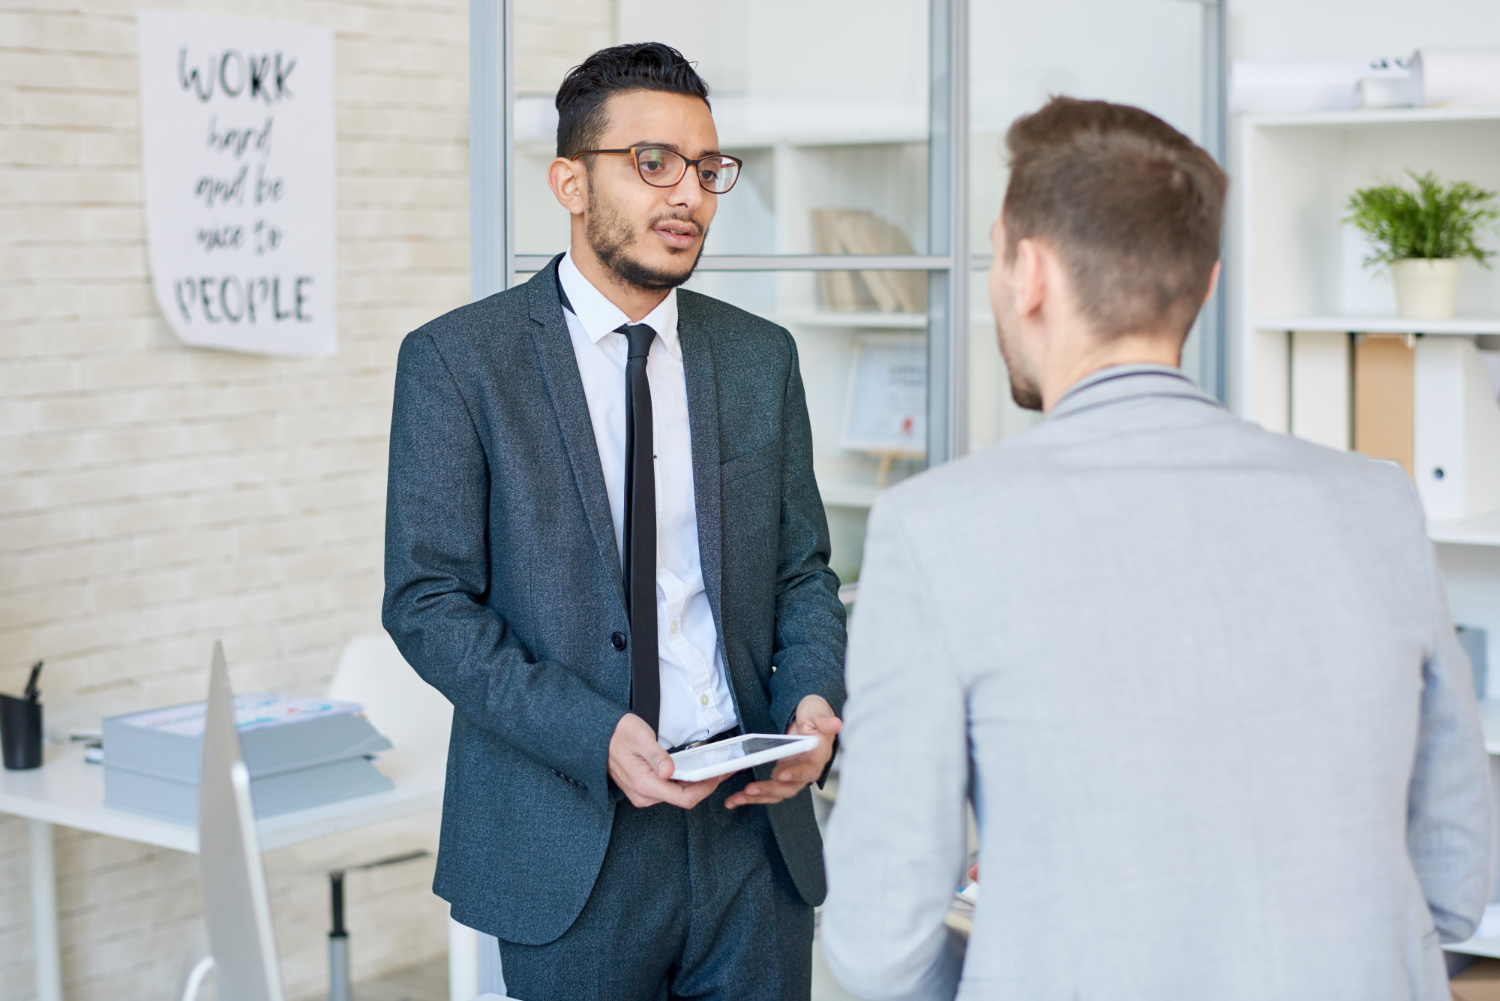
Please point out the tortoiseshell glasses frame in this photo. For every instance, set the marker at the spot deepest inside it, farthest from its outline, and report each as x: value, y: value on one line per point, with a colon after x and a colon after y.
x: 663, y: 168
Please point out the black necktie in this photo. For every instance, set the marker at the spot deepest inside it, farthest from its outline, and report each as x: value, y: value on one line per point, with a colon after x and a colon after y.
x: 640, y: 528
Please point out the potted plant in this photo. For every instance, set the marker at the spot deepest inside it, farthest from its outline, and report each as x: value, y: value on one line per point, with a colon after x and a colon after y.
x: 1422, y: 235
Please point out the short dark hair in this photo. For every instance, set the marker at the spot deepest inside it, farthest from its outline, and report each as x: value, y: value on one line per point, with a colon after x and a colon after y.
x: 637, y: 66
x: 1134, y: 208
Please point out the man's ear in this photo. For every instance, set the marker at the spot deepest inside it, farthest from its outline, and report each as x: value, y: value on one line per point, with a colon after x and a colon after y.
x: 1213, y: 281
x: 567, y: 179
x: 1029, y: 278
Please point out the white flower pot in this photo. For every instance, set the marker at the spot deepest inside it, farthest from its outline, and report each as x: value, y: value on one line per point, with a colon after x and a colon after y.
x: 1425, y: 288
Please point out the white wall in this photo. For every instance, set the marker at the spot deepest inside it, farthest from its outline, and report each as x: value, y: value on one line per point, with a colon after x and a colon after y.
x: 553, y: 36
x: 1365, y: 29
x: 154, y: 497
x: 1357, y: 29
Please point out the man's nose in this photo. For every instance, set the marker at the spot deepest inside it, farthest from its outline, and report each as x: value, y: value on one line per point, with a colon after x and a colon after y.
x: 687, y: 192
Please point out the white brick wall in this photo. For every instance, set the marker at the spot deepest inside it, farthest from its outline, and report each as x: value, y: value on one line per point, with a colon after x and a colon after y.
x: 553, y: 36
x: 155, y: 497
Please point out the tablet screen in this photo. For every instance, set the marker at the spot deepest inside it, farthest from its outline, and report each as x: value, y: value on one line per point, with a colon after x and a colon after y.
x: 714, y: 754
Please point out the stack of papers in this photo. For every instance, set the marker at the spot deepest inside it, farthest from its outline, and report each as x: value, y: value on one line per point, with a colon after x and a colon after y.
x: 299, y: 752
x: 960, y: 916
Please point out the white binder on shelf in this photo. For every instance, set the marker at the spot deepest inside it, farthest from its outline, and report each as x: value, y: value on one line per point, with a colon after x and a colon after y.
x: 1320, y: 390
x: 1456, y: 440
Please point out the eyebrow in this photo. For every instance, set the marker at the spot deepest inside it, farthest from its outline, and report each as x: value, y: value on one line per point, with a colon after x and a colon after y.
x: 675, y: 148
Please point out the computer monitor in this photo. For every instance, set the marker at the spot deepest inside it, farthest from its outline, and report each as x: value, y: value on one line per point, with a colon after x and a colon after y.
x: 236, y: 906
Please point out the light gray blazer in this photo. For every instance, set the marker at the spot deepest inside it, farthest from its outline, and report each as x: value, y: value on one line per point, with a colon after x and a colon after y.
x: 1203, y: 687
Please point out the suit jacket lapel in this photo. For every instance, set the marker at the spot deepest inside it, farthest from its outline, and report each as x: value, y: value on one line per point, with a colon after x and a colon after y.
x: 703, y: 429
x: 554, y: 349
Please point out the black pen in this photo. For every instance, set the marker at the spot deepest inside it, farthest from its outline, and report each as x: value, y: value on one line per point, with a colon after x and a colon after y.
x: 31, y: 692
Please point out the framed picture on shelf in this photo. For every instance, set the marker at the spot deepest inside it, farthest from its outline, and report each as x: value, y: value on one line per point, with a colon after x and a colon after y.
x: 886, y: 414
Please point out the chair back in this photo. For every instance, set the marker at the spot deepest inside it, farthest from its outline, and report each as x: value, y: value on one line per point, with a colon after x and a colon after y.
x: 398, y: 703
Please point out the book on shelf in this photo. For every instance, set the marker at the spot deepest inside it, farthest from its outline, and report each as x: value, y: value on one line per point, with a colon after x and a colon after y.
x: 841, y: 291
x: 857, y: 231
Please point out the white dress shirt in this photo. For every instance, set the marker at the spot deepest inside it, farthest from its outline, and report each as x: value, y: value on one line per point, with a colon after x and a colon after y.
x: 695, y: 699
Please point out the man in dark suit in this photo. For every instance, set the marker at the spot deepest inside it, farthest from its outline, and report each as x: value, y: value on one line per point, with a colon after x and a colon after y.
x: 603, y: 542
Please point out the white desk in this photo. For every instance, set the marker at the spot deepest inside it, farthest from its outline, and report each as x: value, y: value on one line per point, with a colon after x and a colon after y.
x: 1489, y: 719
x: 69, y: 791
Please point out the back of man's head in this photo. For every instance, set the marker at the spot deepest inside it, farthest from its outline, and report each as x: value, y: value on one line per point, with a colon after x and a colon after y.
x: 1132, y: 207
x: 581, y: 100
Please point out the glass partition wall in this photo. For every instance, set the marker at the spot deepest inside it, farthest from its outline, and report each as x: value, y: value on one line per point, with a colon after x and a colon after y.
x: 872, y: 138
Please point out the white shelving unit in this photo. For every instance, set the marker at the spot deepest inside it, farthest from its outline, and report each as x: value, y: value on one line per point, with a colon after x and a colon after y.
x: 1372, y: 116
x: 1381, y: 324
x: 849, y: 321
x: 1300, y: 269
x: 1481, y: 531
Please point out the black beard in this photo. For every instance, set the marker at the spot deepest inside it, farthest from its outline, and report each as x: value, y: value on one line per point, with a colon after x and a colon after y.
x: 609, y: 236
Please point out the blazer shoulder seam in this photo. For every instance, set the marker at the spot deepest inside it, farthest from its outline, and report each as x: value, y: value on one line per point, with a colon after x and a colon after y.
x: 458, y: 390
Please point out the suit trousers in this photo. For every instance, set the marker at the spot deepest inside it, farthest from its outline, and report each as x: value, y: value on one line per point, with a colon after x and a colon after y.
x: 688, y: 904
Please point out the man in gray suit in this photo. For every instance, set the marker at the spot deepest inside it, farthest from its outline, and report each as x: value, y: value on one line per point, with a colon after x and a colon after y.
x: 603, y: 542
x: 1198, y: 680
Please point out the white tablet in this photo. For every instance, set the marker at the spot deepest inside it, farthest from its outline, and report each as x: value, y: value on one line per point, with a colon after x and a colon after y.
x: 736, y: 754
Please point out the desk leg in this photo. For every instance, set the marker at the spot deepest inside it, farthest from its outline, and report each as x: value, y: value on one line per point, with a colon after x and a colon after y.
x: 44, y: 948
x: 463, y: 962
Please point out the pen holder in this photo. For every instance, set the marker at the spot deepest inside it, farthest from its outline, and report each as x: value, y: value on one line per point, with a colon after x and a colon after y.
x: 20, y: 732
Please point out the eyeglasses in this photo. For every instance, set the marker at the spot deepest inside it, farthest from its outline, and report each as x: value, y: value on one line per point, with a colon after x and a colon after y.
x: 663, y: 168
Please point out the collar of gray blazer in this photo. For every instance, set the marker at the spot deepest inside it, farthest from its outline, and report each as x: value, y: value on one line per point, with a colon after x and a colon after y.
x: 1127, y: 382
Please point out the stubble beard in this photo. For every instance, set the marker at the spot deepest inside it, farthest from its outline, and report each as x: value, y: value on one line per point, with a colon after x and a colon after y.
x: 1023, y: 386
x: 610, y: 236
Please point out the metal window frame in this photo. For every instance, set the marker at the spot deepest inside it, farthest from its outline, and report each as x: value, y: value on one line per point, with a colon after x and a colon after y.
x: 494, y: 264
x: 948, y: 231
x: 492, y: 93
x: 1213, y: 373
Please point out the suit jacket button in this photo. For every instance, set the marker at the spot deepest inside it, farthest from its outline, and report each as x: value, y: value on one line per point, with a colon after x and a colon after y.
x: 617, y: 640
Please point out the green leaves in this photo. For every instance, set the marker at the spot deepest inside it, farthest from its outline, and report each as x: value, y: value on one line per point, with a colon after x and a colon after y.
x: 1435, y: 221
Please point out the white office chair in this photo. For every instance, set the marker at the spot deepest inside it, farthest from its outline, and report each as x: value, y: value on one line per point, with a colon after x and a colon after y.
x: 412, y: 715
x: 406, y: 709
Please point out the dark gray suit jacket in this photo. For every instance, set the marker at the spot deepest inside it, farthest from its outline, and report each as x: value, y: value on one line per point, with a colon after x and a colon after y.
x: 503, y: 584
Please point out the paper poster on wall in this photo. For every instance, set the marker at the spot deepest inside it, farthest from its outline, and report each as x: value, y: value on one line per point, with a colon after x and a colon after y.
x: 237, y: 140
x: 887, y: 412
